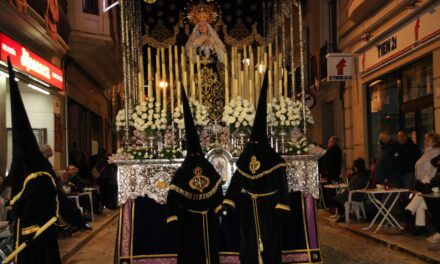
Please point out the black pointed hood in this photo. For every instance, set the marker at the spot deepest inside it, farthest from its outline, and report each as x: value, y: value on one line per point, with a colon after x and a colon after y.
x: 26, y: 155
x: 259, y: 128
x: 259, y: 157
x: 192, y: 138
x: 196, y: 179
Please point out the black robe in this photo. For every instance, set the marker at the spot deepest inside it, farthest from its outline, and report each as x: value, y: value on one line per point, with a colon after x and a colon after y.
x: 35, y: 205
x: 259, y: 201
x: 195, y: 213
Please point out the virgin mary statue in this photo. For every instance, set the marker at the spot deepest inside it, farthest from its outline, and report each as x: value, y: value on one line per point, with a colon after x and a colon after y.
x: 205, y: 42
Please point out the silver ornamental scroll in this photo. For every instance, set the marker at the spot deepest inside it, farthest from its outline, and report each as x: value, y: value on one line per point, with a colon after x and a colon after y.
x: 151, y: 178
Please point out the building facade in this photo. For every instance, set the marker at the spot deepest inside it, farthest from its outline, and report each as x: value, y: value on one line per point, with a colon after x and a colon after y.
x: 93, y: 67
x: 34, y: 34
x: 396, y: 47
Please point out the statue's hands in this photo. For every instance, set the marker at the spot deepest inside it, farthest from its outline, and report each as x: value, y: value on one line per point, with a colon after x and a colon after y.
x: 200, y: 41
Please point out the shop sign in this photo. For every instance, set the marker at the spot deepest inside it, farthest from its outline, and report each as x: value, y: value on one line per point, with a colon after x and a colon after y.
x: 340, y: 67
x: 412, y: 35
x: 30, y: 63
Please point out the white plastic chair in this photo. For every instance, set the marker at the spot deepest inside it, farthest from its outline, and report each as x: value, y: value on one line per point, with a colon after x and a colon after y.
x: 353, y: 206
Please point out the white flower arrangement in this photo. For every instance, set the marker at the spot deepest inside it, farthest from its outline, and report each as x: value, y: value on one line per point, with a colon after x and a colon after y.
x: 198, y: 111
x: 120, y: 121
x: 149, y: 116
x: 299, y: 146
x: 239, y: 113
x: 285, y: 112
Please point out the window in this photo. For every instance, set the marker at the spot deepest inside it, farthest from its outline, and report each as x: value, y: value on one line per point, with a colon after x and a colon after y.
x: 384, y: 110
x: 401, y: 100
x: 91, y: 7
x: 417, y: 80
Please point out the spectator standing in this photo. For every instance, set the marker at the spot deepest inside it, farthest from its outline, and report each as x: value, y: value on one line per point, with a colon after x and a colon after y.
x: 411, y: 153
x: 424, y: 172
x: 331, y: 161
x: 389, y: 166
x: 330, y: 168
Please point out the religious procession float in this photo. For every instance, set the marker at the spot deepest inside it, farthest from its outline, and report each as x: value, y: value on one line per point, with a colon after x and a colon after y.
x: 222, y: 74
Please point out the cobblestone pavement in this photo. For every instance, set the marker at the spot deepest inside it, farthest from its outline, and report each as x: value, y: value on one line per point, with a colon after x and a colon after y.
x: 340, y: 246
x: 100, y: 249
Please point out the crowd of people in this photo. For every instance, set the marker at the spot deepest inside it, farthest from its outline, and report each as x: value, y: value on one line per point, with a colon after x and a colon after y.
x: 400, y: 163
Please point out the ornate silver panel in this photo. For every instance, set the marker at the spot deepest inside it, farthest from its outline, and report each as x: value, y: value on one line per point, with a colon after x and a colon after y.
x: 151, y: 178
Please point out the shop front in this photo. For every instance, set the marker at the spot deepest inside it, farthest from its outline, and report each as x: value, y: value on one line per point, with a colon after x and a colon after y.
x: 397, y: 77
x: 41, y: 84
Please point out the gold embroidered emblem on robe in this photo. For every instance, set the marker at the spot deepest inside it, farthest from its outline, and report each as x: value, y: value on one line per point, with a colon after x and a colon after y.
x: 254, y: 165
x: 199, y: 182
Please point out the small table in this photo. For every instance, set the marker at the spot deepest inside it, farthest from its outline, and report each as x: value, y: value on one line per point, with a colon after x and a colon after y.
x: 339, y: 187
x: 86, y: 193
x: 383, y: 207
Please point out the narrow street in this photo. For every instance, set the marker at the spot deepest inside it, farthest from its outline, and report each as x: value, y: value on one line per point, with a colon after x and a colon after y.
x: 338, y: 246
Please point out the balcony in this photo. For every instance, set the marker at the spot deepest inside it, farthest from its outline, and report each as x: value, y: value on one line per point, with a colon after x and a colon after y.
x: 93, y: 42
x: 359, y: 10
x: 29, y: 26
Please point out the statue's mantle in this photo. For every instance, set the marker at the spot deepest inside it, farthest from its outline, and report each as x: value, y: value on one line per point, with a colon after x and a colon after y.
x: 151, y: 178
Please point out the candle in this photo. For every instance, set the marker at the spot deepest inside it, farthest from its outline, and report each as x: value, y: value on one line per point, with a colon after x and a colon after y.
x: 164, y: 71
x: 193, y: 89
x: 280, y: 76
x: 183, y: 64
x: 157, y: 76
x: 246, y: 74
x: 251, y: 74
x: 285, y: 81
x: 270, y: 61
x: 240, y: 73
x: 233, y: 77
x: 170, y: 65
x: 165, y: 101
x: 150, y: 77
x: 176, y: 68
x: 275, y: 78
x: 199, y: 79
x: 191, y: 70
x: 179, y: 93
x: 225, y: 59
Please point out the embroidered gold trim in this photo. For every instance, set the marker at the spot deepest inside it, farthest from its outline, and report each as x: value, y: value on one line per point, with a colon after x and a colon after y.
x: 171, y: 219
x: 218, y: 208
x: 254, y: 165
x: 27, y: 180
x: 283, y: 207
x: 196, y: 197
x: 199, y: 182
x: 258, y: 195
x: 263, y: 173
x: 29, y: 230
x: 229, y: 202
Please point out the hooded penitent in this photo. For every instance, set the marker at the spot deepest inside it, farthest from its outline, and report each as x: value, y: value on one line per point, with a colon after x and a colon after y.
x: 194, y: 198
x: 260, y: 180
x: 34, y: 195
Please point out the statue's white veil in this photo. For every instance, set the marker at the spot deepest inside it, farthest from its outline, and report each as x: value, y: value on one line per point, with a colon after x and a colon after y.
x: 216, y: 43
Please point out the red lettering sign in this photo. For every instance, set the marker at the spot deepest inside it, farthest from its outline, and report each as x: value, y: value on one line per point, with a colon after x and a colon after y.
x: 29, y: 62
x: 340, y: 66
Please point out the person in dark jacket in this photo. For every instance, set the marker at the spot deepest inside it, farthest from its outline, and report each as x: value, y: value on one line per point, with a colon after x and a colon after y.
x: 330, y: 168
x: 358, y: 181
x: 411, y: 153
x: 330, y: 163
x: 390, y: 160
